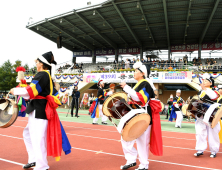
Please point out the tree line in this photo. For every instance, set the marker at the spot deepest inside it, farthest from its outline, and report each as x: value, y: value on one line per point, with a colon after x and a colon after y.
x: 8, y: 74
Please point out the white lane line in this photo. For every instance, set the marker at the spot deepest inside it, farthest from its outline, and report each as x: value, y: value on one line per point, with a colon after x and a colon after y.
x: 117, y: 155
x: 114, y: 140
x: 91, y: 137
x: 177, y: 138
x: 103, y: 130
x: 107, y: 138
x: 79, y: 127
x: 10, y: 136
x: 172, y: 163
x: 13, y: 162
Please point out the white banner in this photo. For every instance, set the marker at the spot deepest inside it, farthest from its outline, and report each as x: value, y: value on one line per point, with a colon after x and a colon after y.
x: 156, y: 77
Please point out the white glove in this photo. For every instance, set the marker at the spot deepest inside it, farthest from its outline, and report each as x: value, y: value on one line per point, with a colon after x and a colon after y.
x: 176, y: 105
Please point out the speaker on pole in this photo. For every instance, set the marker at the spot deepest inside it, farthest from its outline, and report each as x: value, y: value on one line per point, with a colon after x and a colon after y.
x: 59, y: 42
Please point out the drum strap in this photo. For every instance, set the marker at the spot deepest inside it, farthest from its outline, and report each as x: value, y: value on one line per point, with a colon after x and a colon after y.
x: 178, y: 99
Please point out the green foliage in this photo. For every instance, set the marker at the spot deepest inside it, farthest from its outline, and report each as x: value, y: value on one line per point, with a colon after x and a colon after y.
x: 26, y: 67
x: 8, y: 75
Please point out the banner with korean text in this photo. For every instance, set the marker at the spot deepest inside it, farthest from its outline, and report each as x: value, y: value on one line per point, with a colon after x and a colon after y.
x: 195, y: 47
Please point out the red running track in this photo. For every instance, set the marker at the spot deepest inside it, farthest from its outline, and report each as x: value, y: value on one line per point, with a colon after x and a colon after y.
x: 98, y: 147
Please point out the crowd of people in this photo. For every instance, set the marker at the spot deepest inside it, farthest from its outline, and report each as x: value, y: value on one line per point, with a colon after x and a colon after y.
x: 209, y: 64
x: 75, y: 66
x: 154, y: 63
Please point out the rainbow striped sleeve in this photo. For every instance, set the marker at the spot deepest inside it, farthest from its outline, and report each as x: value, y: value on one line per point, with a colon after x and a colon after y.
x: 143, y: 96
x: 34, y: 89
x: 56, y: 94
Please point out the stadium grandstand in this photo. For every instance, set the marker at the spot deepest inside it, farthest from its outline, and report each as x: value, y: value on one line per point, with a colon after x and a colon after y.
x: 179, y: 40
x: 168, y: 35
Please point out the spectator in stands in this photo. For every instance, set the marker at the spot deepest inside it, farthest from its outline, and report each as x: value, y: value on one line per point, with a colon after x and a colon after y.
x: 170, y: 67
x: 134, y: 61
x: 207, y: 61
x: 122, y: 64
x: 81, y: 66
x: 174, y: 65
x: 201, y: 66
x: 143, y: 61
x: 209, y: 67
x: 165, y: 67
x: 185, y: 58
x: 77, y: 65
x: 162, y: 64
x: 115, y: 62
x: 138, y: 60
x: 98, y: 68
x: 219, y: 67
x: 153, y: 65
x: 215, y: 65
x: 127, y: 64
x: 211, y: 61
x: 185, y: 61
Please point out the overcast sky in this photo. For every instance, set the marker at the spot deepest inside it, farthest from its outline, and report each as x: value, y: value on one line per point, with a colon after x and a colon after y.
x: 18, y: 42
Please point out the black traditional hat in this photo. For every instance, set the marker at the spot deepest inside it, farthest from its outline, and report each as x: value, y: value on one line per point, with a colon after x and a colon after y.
x: 47, y: 58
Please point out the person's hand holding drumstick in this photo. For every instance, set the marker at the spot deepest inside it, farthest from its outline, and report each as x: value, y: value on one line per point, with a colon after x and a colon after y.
x: 122, y: 84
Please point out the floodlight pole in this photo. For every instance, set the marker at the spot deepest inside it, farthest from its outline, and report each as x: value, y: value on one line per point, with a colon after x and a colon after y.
x: 199, y: 51
x: 93, y: 57
x: 116, y: 56
x: 168, y: 52
x: 141, y: 53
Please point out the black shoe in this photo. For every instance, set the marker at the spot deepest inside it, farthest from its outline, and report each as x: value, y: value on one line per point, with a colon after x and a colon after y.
x: 104, y: 123
x: 141, y: 169
x: 71, y: 115
x: 128, y: 166
x: 89, y: 113
x: 95, y: 123
x: 198, y: 154
x: 213, y: 155
x: 29, y: 165
x: 77, y: 116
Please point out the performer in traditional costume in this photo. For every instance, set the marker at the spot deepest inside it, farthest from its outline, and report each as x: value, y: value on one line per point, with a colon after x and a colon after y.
x: 142, y: 94
x: 96, y: 107
x: 44, y: 135
x: 219, y: 100
x: 170, y: 103
x: 176, y: 109
x: 209, y: 95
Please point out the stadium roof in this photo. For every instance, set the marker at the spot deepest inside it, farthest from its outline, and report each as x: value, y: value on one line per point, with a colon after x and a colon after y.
x: 150, y: 24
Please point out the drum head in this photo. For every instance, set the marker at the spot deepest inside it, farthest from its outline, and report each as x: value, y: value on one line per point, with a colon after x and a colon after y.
x: 106, y: 108
x: 9, y: 115
x: 217, y: 117
x: 136, y: 127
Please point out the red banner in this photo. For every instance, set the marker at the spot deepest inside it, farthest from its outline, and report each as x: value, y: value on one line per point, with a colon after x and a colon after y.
x: 195, y: 47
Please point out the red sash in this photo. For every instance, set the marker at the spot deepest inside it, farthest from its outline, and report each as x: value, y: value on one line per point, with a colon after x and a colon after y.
x: 54, y: 134
x: 156, y: 144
